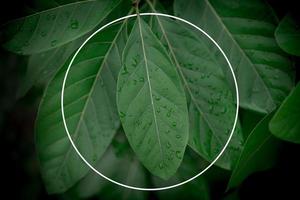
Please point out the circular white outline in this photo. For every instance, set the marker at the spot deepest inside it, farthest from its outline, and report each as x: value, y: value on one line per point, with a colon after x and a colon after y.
x: 140, y: 188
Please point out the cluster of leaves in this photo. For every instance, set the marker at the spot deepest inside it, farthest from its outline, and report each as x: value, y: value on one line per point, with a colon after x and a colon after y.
x: 167, y: 87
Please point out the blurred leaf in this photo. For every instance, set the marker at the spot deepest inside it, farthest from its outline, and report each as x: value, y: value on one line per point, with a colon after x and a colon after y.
x: 212, y: 106
x: 119, y: 167
x: 151, y: 103
x: 90, y: 111
x: 41, y: 67
x: 260, y: 153
x: 287, y: 35
x: 286, y: 122
x: 55, y: 27
x: 245, y: 32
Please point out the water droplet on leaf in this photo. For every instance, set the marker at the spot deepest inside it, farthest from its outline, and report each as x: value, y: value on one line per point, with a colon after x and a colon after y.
x: 74, y: 24
x: 161, y: 166
x: 168, y: 145
x: 53, y: 42
x: 122, y: 114
x: 178, y: 154
x: 43, y: 33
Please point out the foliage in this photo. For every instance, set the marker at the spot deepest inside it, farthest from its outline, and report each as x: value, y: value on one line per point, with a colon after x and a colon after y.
x: 154, y: 98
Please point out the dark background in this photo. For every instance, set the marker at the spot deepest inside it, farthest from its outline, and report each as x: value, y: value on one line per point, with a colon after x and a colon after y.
x: 20, y: 170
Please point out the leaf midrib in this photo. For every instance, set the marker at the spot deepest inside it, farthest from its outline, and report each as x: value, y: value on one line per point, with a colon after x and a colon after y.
x: 181, y: 73
x: 241, y: 50
x: 89, y: 96
x: 150, y: 89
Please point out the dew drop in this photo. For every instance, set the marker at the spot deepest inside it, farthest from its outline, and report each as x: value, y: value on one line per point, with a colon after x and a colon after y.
x: 125, y: 71
x: 168, y: 131
x: 94, y: 158
x: 141, y: 79
x: 157, y: 98
x: 74, y: 24
x: 119, y: 89
x: 174, y: 124
x: 122, y: 114
x: 168, y: 145
x: 53, y: 42
x: 178, y: 154
x: 138, y: 123
x: 43, y: 33
x: 178, y: 136
x: 169, y: 114
x: 170, y: 157
x: 161, y: 166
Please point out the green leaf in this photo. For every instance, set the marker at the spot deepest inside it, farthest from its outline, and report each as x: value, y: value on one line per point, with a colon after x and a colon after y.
x: 249, y: 120
x: 44, y: 5
x: 41, y: 67
x: 286, y: 122
x: 119, y: 167
x: 90, y: 111
x: 260, y: 153
x: 151, y: 103
x: 287, y: 35
x: 212, y: 107
x: 245, y: 31
x: 55, y: 27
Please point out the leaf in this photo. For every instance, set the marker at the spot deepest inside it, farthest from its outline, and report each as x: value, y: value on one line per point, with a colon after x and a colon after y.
x: 43, y: 5
x: 90, y: 111
x: 212, y: 107
x: 55, y: 27
x: 193, y: 190
x: 151, y: 103
x: 286, y: 122
x: 287, y: 35
x: 260, y: 153
x: 119, y: 167
x: 245, y: 32
x: 41, y: 67
x: 249, y: 120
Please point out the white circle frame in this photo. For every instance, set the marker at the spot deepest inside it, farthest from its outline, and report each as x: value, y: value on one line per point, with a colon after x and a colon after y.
x: 141, y: 188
